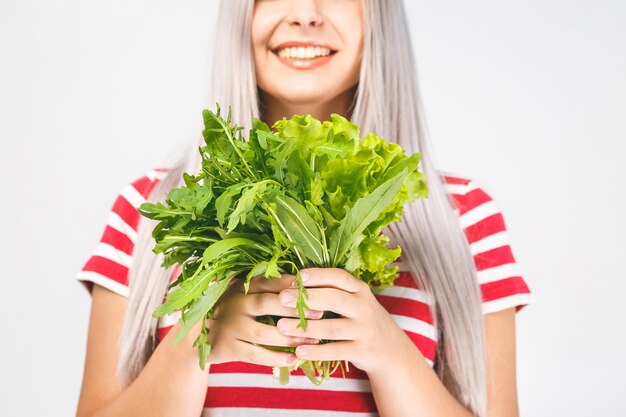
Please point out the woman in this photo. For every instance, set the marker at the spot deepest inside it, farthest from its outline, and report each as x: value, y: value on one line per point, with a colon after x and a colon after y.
x: 441, y: 342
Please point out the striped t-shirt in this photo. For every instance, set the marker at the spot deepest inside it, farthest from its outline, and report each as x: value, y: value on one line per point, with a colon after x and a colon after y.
x: 238, y: 389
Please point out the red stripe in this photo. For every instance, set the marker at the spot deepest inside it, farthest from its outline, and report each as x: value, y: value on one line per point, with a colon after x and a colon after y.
x: 108, y: 268
x: 426, y: 345
x: 405, y: 279
x: 406, y: 307
x: 289, y: 398
x: 455, y: 180
x: 486, y: 227
x: 118, y: 240
x: 494, y: 257
x: 458, y: 200
x: 240, y: 367
x: 472, y: 200
x: 503, y: 288
x: 163, y: 331
x: 126, y: 211
x: 144, y: 186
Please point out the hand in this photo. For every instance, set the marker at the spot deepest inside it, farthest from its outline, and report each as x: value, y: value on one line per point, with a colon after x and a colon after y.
x: 367, y: 335
x: 234, y: 332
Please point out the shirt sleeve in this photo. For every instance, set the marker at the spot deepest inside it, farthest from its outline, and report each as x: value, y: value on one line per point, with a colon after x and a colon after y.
x: 110, y: 261
x: 499, y: 276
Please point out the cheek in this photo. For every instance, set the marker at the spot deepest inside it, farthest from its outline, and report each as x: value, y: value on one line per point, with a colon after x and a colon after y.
x: 261, y: 31
x: 352, y: 39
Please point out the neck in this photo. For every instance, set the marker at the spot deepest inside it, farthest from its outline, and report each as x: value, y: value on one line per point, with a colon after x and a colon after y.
x: 273, y: 109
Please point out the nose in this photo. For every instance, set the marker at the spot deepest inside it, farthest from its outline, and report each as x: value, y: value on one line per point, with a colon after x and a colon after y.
x: 304, y: 13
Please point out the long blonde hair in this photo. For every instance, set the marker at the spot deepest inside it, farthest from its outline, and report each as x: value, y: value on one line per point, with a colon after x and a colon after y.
x: 387, y: 102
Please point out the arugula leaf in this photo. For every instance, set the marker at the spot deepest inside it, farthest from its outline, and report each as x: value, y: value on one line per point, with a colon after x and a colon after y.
x: 201, y: 308
x: 299, y: 227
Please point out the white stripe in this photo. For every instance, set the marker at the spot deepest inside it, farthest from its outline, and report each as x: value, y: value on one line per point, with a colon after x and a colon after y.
x: 429, y: 362
x: 498, y: 272
x: 460, y: 189
x: 403, y: 292
x: 133, y: 197
x: 106, y: 282
x: 478, y: 213
x: 416, y: 326
x: 336, y: 383
x: 490, y: 242
x: 110, y: 252
x: 271, y: 412
x: 507, y: 302
x: 116, y: 222
x: 169, y: 319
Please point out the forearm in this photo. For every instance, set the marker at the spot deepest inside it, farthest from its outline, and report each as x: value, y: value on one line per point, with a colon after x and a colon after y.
x: 408, y: 387
x: 171, y: 384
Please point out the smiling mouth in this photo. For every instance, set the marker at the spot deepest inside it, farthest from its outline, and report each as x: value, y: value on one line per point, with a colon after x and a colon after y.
x: 304, y: 57
x: 303, y: 52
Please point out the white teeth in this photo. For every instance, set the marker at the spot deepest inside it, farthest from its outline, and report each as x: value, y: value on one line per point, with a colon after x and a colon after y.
x: 303, y: 52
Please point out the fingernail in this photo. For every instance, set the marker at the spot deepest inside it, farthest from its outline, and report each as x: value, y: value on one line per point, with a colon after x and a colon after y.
x: 314, y: 314
x: 301, y: 351
x: 304, y: 275
x: 311, y: 341
x: 286, y: 326
x: 294, y: 283
x: 292, y: 359
x: 286, y: 297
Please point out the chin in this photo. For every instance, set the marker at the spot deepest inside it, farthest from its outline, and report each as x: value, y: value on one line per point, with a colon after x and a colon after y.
x: 304, y: 95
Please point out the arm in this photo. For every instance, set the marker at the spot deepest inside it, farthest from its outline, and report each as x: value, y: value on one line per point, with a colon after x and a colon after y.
x: 414, y: 386
x: 171, y: 372
x: 172, y: 383
x: 402, y: 382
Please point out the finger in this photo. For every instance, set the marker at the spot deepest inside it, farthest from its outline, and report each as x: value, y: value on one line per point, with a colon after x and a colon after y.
x: 259, y: 355
x: 332, y: 277
x: 266, y: 334
x: 323, y: 299
x: 328, y: 329
x: 264, y: 303
x: 262, y: 284
x: 339, y: 351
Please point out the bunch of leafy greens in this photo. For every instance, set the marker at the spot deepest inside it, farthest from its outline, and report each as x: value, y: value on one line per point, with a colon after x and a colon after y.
x: 305, y: 194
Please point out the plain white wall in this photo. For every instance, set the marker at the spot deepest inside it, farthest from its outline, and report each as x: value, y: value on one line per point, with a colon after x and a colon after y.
x: 526, y: 97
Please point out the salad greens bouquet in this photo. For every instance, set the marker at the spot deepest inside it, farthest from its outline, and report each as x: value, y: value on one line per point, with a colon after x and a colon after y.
x: 302, y: 194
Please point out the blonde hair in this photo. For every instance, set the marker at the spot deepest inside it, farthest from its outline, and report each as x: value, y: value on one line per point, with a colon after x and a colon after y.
x: 387, y: 102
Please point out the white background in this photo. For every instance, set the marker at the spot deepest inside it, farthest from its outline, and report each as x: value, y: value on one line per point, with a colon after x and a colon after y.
x: 528, y: 98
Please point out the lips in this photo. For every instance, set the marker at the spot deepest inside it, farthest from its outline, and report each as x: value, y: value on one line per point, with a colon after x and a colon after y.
x: 304, y: 62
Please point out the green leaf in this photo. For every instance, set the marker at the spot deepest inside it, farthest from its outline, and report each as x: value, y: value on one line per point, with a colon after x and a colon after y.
x: 202, y: 306
x: 257, y: 269
x: 245, y: 204
x: 223, y: 202
x: 219, y: 248
x: 188, y: 291
x: 204, y: 347
x: 299, y: 227
x: 357, y: 218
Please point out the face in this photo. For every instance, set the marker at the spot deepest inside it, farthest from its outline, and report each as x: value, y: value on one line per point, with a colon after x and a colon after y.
x: 307, y: 52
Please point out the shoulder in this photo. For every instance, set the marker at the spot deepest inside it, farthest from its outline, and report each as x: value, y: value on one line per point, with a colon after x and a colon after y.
x: 466, y: 193
x: 144, y: 184
x: 137, y: 191
x: 501, y: 282
x: 479, y: 215
x: 111, y: 259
